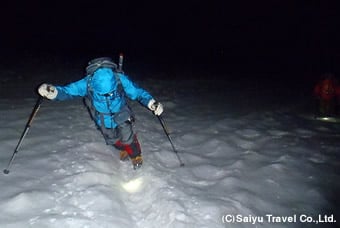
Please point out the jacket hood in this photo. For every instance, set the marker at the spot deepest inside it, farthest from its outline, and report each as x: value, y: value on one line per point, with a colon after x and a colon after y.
x: 103, y: 81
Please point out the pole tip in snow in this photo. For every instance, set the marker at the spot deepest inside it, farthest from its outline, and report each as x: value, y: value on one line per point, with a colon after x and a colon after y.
x: 6, y: 171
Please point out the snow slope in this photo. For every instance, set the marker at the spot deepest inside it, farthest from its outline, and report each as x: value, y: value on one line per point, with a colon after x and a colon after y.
x: 243, y: 156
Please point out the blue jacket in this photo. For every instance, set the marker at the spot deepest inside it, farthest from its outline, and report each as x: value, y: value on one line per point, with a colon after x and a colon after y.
x: 101, y: 89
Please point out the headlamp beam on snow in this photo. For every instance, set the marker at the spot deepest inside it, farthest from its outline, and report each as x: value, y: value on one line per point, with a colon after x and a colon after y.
x: 133, y: 186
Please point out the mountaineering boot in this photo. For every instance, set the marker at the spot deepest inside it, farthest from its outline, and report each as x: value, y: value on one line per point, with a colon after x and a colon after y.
x: 137, y: 161
x: 123, y: 155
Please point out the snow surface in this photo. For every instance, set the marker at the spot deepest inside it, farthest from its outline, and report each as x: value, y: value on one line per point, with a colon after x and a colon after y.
x: 243, y: 155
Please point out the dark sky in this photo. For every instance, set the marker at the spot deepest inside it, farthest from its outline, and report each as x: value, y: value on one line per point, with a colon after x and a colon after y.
x: 275, y: 35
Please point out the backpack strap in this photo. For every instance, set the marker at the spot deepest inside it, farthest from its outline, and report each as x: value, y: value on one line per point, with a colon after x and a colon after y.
x: 120, y: 88
x: 122, y: 93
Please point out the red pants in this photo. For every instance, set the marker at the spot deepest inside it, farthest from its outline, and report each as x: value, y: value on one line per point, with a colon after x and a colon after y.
x: 133, y: 149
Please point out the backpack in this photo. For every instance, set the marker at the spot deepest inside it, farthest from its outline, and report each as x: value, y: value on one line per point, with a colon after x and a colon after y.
x: 101, y: 62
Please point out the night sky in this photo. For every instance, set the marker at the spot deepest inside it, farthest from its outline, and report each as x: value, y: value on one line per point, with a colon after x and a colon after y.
x: 270, y: 37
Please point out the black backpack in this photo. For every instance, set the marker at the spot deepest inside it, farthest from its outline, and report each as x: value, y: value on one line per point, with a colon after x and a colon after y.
x: 101, y: 62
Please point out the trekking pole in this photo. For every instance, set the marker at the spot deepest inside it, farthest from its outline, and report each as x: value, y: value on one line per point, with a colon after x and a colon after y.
x: 161, y: 120
x: 28, y: 125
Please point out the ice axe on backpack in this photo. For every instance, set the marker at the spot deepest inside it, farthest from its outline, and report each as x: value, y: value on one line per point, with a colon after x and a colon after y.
x: 120, y: 63
x: 28, y: 125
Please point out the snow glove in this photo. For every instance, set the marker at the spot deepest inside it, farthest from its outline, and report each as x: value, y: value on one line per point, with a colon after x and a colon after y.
x: 48, y: 91
x: 156, y: 107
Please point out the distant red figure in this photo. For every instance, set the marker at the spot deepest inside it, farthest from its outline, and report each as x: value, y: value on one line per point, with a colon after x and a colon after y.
x: 328, y: 93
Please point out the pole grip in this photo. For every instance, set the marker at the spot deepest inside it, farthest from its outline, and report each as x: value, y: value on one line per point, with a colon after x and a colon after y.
x: 35, y: 110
